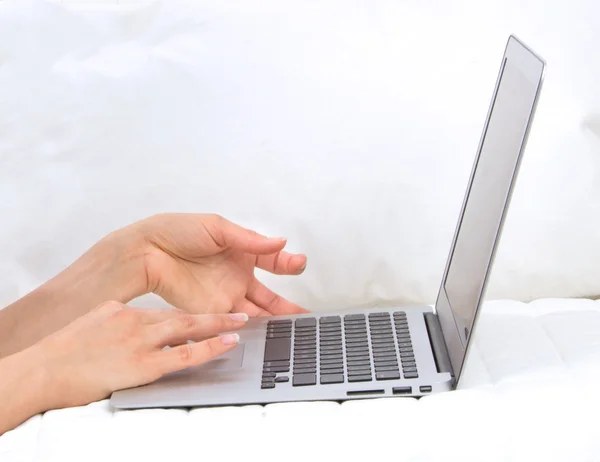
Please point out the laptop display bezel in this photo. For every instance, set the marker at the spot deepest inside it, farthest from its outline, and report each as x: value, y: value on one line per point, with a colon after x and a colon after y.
x: 457, y: 342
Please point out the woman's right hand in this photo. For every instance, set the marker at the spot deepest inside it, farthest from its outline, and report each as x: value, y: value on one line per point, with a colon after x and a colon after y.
x: 115, y: 346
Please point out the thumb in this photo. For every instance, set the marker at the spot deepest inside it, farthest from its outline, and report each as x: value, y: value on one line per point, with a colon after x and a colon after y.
x: 230, y: 235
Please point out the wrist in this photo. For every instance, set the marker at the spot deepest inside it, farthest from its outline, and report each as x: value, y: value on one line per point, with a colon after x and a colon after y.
x: 113, y: 269
x: 24, y: 389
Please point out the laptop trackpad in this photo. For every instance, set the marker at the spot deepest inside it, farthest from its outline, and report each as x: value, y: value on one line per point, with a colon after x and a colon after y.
x: 230, y: 360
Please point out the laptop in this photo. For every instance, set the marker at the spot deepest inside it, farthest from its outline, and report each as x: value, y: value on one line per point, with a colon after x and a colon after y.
x: 402, y: 351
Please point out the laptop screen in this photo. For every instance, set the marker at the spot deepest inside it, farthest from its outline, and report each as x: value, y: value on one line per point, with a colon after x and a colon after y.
x: 488, y: 194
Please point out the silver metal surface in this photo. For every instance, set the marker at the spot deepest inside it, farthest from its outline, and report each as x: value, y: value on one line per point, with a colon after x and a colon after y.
x: 229, y: 384
x: 494, y: 174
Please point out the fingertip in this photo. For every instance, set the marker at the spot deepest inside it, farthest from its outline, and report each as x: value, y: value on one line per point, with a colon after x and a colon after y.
x: 239, y: 317
x: 299, y: 263
x: 230, y: 339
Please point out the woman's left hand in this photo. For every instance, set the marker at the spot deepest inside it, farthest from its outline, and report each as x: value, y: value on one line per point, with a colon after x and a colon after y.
x: 205, y: 263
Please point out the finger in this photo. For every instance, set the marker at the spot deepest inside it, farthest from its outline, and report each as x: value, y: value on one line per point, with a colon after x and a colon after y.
x: 194, y: 327
x: 282, y: 263
x: 269, y: 301
x: 229, y: 235
x: 246, y: 306
x: 194, y: 354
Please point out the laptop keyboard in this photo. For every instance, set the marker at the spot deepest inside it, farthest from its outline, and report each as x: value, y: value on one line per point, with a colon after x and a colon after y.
x: 336, y: 349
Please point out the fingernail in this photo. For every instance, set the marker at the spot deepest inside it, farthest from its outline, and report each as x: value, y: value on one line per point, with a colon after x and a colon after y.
x: 230, y: 339
x: 303, y: 266
x: 239, y: 317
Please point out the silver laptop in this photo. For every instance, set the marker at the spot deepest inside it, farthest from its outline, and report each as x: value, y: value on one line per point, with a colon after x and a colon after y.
x: 403, y: 351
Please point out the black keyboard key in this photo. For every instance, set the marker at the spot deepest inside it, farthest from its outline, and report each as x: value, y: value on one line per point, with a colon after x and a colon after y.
x: 409, y: 369
x: 376, y: 332
x: 278, y: 322
x: 304, y: 345
x: 379, y: 315
x: 276, y: 363
x: 403, y: 330
x: 288, y: 335
x: 358, y: 363
x: 383, y: 341
x: 357, y: 339
x: 268, y: 375
x: 331, y: 359
x: 266, y: 385
x: 332, y: 371
x: 282, y: 378
x: 352, y: 352
x: 331, y: 331
x: 357, y: 352
x: 305, y: 356
x: 305, y: 337
x: 411, y: 375
x: 383, y: 348
x: 331, y: 335
x: 387, y: 375
x: 305, y: 361
x: 331, y: 367
x: 276, y: 369
x: 336, y: 352
x: 333, y: 347
x: 330, y: 342
x: 354, y: 316
x: 407, y: 355
x: 360, y: 378
x: 355, y: 330
x: 380, y: 325
x: 306, y: 322
x: 277, y: 349
x: 300, y: 380
x: 274, y: 329
x: 359, y: 370
x: 386, y: 363
x: 386, y: 368
x: 305, y: 349
x: 330, y: 320
x: 404, y: 344
x: 305, y: 370
x: 386, y: 355
x: 332, y: 378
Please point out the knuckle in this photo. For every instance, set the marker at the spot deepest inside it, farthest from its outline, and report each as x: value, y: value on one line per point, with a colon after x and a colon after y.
x: 211, y: 348
x: 275, y: 300
x: 186, y: 353
x: 187, y: 321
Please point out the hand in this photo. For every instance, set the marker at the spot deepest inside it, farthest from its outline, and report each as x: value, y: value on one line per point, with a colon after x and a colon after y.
x: 115, y: 346
x: 205, y: 263
x: 199, y: 263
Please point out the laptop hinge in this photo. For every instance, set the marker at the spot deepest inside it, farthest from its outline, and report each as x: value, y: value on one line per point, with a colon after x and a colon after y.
x: 438, y: 344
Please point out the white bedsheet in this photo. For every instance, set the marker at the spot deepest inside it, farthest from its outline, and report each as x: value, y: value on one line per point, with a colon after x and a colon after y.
x: 530, y: 393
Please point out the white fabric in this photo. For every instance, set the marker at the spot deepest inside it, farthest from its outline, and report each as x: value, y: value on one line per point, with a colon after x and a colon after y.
x: 348, y: 126
x: 530, y: 393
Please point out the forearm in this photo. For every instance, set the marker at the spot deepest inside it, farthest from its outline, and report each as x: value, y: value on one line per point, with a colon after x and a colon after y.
x: 22, y: 385
x: 111, y: 270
